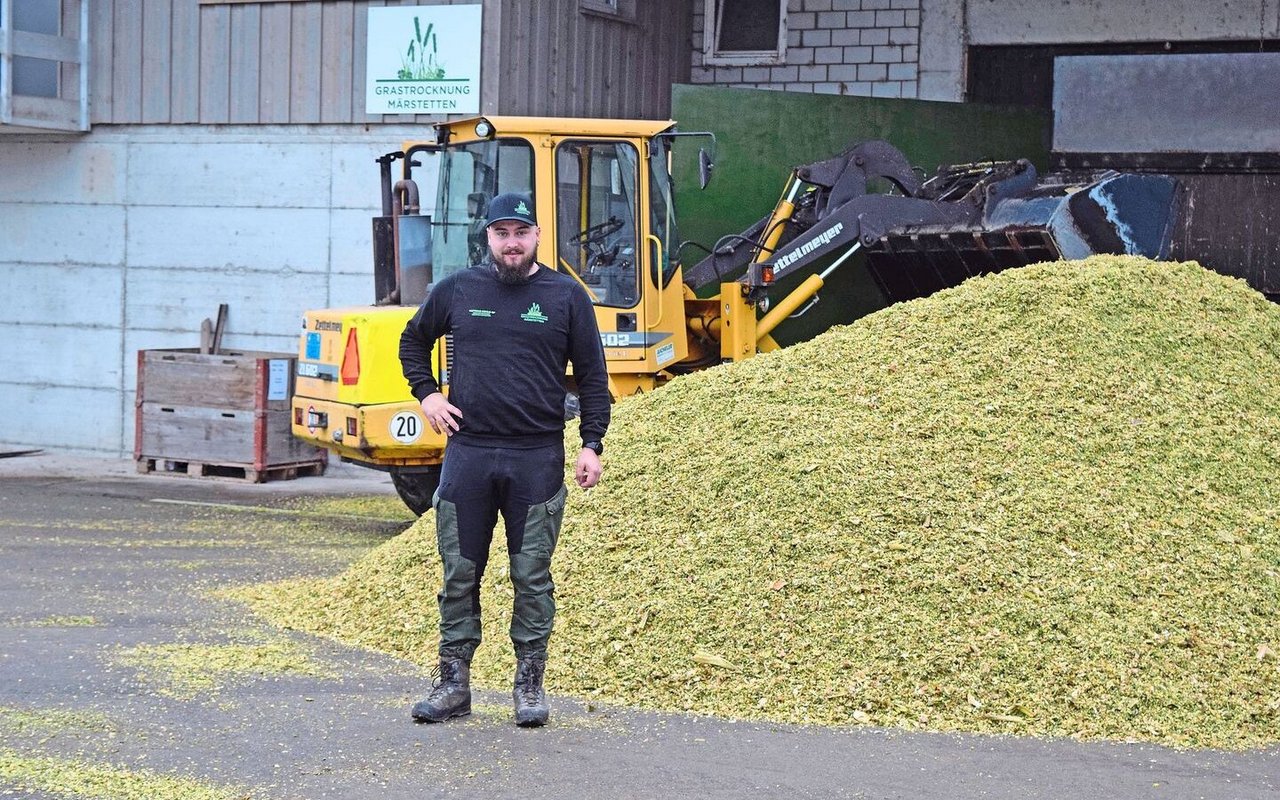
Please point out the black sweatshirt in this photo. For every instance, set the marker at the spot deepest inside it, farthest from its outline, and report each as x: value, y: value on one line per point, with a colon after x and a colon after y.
x: 511, y: 344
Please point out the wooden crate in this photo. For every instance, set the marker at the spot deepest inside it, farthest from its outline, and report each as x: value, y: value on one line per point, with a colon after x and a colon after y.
x: 224, y: 415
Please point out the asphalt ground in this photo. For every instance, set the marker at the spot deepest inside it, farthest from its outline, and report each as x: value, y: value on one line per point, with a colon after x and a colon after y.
x: 97, y: 559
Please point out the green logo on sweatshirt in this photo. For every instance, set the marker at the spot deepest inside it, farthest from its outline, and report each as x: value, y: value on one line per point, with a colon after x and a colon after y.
x: 534, y: 314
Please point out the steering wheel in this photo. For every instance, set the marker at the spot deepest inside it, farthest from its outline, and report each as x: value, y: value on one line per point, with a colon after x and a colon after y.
x: 596, y: 234
x: 604, y: 258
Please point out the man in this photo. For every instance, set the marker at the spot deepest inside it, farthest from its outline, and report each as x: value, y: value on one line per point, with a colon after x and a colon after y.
x: 516, y: 325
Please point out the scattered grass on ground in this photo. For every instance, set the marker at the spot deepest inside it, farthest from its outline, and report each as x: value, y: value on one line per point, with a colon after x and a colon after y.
x: 63, y: 621
x: 185, y: 671
x: 72, y: 778
x: 373, y: 507
x: 52, y: 721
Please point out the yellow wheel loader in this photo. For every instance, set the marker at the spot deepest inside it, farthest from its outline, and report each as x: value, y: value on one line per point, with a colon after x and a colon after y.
x: 603, y: 193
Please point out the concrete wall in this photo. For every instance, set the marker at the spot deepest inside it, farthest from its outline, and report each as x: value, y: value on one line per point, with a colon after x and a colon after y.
x: 129, y: 237
x: 1074, y: 21
x: 948, y: 26
x: 1201, y: 103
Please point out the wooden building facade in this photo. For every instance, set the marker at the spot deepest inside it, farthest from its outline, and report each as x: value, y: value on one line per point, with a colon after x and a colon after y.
x: 296, y: 62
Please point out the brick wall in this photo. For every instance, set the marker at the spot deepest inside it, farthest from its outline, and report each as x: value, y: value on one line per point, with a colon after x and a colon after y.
x: 855, y: 47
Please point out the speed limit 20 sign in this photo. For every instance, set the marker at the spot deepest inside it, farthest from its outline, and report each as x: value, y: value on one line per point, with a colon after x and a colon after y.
x: 406, y: 427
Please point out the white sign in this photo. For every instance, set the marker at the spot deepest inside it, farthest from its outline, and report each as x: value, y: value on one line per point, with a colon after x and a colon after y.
x: 423, y: 60
x: 406, y: 427
x: 277, y: 379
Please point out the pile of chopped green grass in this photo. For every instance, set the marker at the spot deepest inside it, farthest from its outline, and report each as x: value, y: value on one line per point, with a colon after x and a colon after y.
x: 1043, y: 502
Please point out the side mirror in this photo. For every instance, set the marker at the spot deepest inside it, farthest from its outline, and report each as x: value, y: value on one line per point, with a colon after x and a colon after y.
x: 705, y: 166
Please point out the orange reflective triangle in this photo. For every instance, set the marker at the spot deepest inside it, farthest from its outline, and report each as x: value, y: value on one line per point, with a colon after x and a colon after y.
x: 351, y: 360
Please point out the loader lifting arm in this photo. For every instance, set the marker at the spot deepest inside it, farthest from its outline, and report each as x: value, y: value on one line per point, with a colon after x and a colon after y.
x: 966, y: 220
x: 811, y: 195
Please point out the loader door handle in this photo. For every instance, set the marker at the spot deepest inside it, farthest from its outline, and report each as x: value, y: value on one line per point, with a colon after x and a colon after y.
x: 656, y: 272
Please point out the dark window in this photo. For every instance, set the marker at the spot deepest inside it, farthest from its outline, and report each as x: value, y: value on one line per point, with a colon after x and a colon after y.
x: 1022, y: 75
x: 744, y: 31
x: 748, y: 25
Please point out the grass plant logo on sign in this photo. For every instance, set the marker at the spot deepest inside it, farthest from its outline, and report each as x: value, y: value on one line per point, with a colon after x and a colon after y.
x: 423, y: 60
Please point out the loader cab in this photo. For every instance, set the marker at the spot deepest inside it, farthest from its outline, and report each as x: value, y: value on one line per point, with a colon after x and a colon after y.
x: 602, y: 192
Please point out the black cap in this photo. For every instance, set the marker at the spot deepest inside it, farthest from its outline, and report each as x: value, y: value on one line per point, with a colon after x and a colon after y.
x: 512, y: 205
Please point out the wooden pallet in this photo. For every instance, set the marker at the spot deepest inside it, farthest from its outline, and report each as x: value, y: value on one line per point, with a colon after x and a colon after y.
x: 239, y: 472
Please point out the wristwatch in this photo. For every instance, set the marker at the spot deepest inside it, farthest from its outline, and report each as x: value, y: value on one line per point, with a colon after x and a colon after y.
x: 598, y: 447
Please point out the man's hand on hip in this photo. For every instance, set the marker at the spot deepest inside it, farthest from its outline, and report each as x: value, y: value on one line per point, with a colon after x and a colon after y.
x: 441, y: 415
x: 587, y: 472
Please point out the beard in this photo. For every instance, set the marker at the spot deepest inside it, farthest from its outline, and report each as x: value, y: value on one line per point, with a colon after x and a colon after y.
x: 512, y: 273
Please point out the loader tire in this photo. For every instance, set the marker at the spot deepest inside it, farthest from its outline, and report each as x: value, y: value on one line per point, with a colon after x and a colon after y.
x: 417, y: 489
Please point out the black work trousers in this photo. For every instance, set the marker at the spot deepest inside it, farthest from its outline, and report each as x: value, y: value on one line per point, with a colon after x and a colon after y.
x: 476, y: 484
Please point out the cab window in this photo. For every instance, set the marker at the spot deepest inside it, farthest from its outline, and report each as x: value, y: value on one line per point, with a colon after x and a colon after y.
x: 596, y: 227
x: 471, y: 175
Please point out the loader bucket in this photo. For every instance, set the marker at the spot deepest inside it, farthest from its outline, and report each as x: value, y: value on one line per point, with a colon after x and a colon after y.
x: 1117, y: 214
x: 907, y: 266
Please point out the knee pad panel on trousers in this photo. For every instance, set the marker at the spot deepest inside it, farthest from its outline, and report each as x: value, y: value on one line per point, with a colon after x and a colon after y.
x: 459, y: 597
x: 446, y: 527
x: 459, y: 568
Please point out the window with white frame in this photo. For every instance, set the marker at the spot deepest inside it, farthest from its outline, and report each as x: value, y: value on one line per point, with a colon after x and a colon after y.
x: 36, y: 77
x: 744, y: 31
x: 615, y: 9
x: 44, y: 55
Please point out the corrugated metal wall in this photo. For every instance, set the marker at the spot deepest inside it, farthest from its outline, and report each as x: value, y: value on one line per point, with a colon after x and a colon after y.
x: 558, y: 61
x: 1231, y: 224
x: 180, y: 61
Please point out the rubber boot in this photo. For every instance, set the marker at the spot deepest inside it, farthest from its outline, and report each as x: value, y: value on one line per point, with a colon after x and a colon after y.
x: 450, y: 693
x: 528, y: 694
